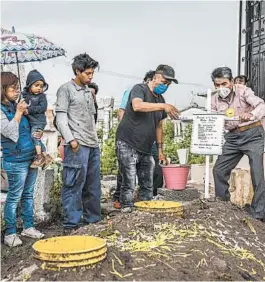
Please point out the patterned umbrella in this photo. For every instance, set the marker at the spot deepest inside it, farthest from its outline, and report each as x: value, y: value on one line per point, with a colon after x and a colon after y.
x: 19, y: 48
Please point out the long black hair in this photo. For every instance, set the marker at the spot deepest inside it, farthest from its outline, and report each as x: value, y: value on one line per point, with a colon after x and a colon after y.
x: 82, y: 62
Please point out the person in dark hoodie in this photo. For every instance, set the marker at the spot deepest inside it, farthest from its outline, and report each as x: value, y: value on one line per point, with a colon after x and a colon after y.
x: 34, y: 96
x: 93, y: 87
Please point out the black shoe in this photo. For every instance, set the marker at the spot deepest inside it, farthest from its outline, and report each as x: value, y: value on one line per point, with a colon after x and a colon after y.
x: 261, y: 219
x: 69, y: 231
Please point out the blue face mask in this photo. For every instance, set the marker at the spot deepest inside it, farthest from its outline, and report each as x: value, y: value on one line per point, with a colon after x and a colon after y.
x: 160, y: 89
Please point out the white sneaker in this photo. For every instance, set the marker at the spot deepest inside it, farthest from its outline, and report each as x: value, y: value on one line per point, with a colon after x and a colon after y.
x: 127, y: 210
x: 32, y: 233
x: 12, y: 240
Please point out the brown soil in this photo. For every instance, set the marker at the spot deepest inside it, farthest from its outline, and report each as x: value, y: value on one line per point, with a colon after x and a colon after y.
x: 211, y: 242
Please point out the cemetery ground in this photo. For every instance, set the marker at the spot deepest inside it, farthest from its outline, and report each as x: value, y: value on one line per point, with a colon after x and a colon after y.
x: 212, y: 241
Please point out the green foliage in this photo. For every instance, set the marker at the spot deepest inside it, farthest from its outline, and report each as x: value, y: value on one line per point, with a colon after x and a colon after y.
x: 108, y: 154
x: 115, y: 114
x: 55, y: 206
x: 171, y: 146
x: 100, y: 133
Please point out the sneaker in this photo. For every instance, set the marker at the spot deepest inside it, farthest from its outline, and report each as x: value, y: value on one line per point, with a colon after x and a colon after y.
x: 32, y: 233
x: 39, y: 161
x: 48, y: 161
x: 70, y: 231
x: 127, y: 210
x: 12, y: 240
x: 117, y: 204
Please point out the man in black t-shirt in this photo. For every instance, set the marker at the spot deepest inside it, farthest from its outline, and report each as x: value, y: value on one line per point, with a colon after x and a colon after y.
x: 139, y: 128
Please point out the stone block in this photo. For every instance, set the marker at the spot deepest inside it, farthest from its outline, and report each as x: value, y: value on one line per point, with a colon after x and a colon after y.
x: 197, y: 173
x: 43, y: 186
x: 241, y: 188
x: 188, y: 194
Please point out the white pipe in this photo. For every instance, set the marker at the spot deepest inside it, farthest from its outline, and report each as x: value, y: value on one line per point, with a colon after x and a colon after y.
x: 207, y: 158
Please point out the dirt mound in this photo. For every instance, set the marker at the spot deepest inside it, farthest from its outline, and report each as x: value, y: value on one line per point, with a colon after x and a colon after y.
x: 214, y: 241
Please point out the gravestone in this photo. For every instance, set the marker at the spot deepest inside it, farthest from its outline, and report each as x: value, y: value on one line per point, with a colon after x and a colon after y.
x: 207, y: 134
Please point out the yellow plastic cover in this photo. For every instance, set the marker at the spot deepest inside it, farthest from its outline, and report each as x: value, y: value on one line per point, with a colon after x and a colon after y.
x: 70, y: 257
x: 158, y: 205
x: 58, y: 265
x: 69, y: 245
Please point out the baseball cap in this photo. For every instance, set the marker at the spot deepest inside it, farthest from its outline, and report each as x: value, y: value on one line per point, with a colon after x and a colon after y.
x: 167, y: 72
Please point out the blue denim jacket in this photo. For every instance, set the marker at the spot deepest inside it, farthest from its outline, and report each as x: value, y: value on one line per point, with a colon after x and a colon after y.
x: 23, y: 149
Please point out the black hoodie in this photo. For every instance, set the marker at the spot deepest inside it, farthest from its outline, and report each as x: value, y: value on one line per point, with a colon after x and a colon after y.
x: 37, y: 102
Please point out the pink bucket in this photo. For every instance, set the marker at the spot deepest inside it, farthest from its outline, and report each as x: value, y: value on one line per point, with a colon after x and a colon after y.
x: 176, y: 176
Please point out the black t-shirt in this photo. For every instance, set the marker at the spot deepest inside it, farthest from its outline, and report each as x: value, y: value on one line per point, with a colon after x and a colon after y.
x: 138, y: 129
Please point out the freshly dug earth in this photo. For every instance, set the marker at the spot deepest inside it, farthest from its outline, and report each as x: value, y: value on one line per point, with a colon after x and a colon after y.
x: 213, y: 241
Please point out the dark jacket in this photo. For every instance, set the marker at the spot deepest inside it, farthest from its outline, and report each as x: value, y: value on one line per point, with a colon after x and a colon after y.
x: 37, y: 108
x: 24, y: 149
x: 37, y: 103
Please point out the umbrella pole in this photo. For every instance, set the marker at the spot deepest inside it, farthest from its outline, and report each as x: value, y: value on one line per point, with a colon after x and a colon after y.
x: 18, y: 73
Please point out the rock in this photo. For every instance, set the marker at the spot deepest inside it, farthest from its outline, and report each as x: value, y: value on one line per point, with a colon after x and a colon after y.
x: 209, y: 274
x: 188, y: 194
x: 43, y: 186
x: 26, y: 272
x: 219, y: 264
x: 109, y: 178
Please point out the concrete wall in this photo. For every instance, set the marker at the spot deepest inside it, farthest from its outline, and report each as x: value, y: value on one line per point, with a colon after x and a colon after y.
x: 198, y: 171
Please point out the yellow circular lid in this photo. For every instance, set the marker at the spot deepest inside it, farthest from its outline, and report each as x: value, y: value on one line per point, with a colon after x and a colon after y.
x: 69, y: 245
x: 58, y: 265
x: 70, y: 257
x: 158, y: 205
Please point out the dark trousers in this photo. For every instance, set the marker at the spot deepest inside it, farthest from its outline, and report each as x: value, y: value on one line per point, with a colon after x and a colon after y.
x: 250, y: 143
x: 81, y: 191
x: 132, y: 163
x: 158, y: 180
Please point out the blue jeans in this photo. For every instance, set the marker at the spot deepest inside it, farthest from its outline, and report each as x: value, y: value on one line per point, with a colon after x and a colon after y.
x: 37, y: 142
x: 81, y: 191
x: 132, y: 163
x: 21, y: 180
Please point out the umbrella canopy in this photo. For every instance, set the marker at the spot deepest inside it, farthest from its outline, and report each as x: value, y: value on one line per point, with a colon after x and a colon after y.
x: 22, y: 48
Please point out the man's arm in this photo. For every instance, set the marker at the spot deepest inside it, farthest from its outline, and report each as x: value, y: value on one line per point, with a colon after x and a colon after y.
x: 159, y: 140
x: 120, y: 114
x: 123, y: 104
x: 140, y: 106
x: 62, y: 104
x: 256, y: 102
x: 159, y: 135
x: 214, y: 104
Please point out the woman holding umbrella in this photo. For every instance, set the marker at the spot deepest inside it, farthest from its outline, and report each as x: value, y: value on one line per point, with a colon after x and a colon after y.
x: 18, y: 154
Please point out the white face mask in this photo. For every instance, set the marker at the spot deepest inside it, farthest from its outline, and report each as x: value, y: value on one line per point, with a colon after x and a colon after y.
x: 224, y: 92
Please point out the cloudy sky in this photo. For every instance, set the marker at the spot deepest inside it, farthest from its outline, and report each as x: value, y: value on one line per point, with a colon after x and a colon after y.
x: 131, y: 38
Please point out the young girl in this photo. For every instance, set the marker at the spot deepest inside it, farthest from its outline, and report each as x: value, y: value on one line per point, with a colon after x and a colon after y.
x: 36, y: 99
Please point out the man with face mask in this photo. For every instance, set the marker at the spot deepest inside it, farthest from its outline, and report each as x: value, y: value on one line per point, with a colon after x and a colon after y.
x: 158, y: 175
x: 139, y: 128
x: 245, y: 136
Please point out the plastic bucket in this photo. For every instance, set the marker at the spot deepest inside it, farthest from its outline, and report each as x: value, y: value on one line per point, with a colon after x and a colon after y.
x: 176, y: 176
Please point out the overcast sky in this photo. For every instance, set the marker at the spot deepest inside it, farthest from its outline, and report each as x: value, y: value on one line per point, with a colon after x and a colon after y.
x: 131, y: 38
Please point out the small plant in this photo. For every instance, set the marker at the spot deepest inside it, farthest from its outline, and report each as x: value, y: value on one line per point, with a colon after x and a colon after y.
x: 55, y: 205
x: 171, y: 146
x: 108, y: 154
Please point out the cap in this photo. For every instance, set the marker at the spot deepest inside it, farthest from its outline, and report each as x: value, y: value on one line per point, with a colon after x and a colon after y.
x: 167, y: 72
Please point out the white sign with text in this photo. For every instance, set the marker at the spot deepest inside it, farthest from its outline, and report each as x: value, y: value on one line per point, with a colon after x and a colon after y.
x: 207, y: 134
